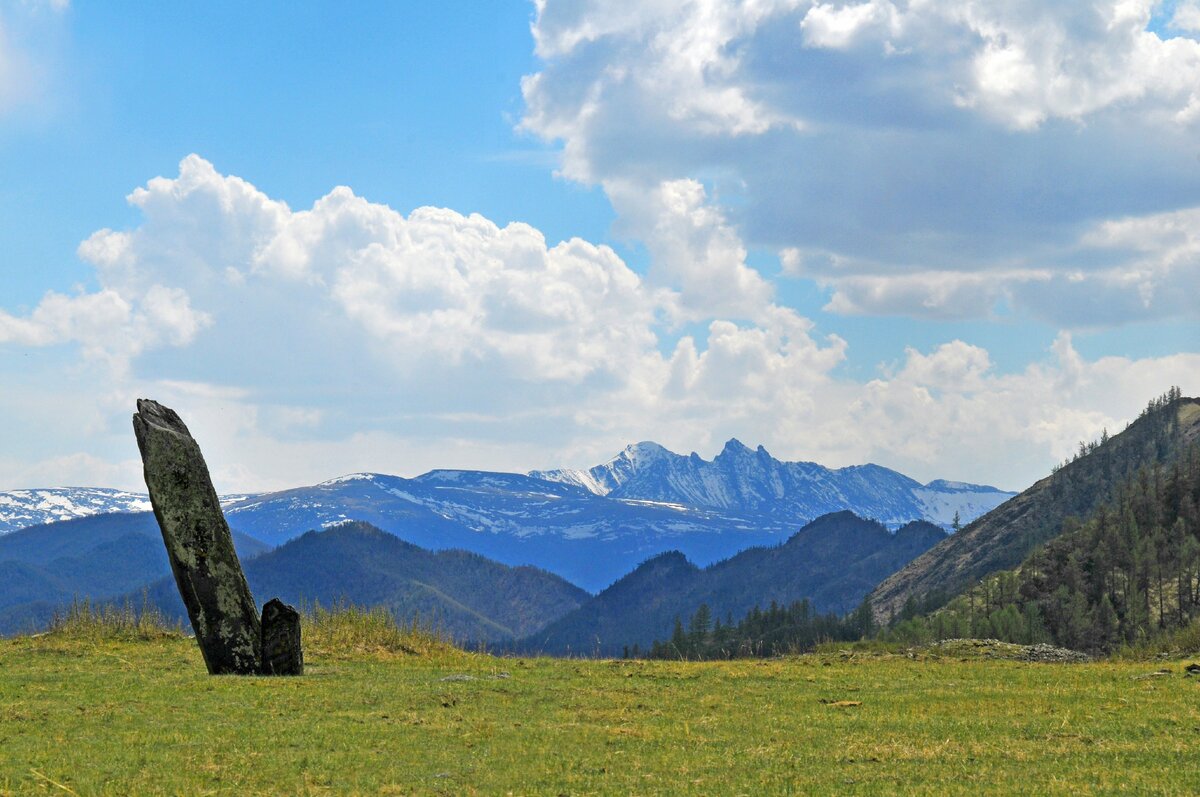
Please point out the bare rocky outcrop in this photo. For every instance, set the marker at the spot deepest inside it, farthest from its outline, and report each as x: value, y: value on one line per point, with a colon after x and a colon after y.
x: 200, y: 548
x: 995, y: 649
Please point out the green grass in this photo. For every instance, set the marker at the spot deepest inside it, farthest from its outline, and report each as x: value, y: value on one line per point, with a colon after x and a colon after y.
x: 87, y: 711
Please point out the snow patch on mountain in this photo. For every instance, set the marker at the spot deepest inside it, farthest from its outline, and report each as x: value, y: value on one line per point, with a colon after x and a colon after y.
x: 741, y: 478
x: 21, y: 508
x: 572, y: 476
x: 941, y: 506
x: 603, y: 479
x: 349, y: 477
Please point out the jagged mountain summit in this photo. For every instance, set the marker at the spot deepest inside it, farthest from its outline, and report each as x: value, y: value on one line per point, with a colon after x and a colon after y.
x: 23, y: 508
x: 744, y: 479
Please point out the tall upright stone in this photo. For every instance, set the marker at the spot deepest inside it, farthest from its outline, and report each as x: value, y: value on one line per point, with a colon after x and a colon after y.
x: 199, y: 543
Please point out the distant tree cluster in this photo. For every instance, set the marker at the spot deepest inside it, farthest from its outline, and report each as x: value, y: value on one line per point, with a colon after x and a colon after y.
x: 1172, y: 395
x: 1156, y: 405
x: 773, y: 631
x: 1129, y: 573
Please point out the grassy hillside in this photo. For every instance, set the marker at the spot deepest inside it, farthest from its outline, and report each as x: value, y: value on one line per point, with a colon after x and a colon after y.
x: 94, y: 715
x: 1002, y: 538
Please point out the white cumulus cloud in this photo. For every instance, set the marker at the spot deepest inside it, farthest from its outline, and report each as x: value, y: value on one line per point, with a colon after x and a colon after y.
x: 944, y: 156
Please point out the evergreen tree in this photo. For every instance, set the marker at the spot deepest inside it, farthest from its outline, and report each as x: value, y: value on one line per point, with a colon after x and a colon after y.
x: 679, y: 641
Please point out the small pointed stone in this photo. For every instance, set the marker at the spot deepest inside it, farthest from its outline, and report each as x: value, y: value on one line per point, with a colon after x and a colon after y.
x: 281, y: 651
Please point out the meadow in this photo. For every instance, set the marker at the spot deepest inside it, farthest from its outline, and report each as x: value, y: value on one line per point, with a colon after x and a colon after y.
x: 127, y: 709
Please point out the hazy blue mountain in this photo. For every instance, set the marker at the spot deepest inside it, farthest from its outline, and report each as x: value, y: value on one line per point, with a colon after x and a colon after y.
x: 44, y: 567
x: 590, y: 540
x: 466, y: 595
x: 833, y: 561
x: 744, y: 479
x: 590, y: 527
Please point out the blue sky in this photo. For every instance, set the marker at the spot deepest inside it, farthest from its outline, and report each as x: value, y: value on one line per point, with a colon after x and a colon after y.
x: 409, y: 104
x: 953, y: 240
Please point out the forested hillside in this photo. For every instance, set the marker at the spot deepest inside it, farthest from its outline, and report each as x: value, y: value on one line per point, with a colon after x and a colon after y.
x: 1129, y: 572
x: 1004, y: 537
x: 832, y: 562
x: 464, y: 595
x: 43, y: 568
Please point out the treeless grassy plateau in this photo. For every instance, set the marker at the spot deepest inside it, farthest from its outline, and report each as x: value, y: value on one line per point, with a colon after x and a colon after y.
x: 131, y: 714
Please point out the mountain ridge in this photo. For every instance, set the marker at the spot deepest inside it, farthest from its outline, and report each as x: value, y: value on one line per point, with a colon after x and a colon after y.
x: 37, y: 506
x: 468, y: 596
x: 748, y: 478
x: 1002, y: 538
x: 834, y: 561
x: 705, y: 487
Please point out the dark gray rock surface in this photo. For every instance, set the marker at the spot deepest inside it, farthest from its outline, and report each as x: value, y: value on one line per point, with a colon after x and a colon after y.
x: 199, y: 543
x: 281, y: 651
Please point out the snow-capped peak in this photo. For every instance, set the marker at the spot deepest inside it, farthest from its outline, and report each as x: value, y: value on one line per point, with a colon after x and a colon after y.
x: 741, y: 478
x: 734, y: 446
x: 21, y: 508
x: 349, y: 477
x: 641, y: 453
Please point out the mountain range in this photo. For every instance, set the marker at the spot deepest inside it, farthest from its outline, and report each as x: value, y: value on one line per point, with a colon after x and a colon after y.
x: 23, y: 508
x: 743, y: 479
x: 590, y: 527
x: 623, y: 527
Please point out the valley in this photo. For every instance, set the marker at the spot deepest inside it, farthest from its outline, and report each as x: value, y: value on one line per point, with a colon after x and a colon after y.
x: 610, y: 561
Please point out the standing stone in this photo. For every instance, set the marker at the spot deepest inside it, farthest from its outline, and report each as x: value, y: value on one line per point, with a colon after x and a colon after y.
x: 199, y: 543
x: 281, y: 651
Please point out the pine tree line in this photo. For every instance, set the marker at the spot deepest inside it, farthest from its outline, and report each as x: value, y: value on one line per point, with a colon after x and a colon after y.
x: 773, y: 631
x: 1129, y: 574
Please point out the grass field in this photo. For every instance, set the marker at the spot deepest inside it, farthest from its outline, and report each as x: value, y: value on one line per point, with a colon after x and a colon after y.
x: 97, y: 714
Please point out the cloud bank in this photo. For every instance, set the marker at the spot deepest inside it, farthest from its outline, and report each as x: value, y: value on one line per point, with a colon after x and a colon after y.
x: 936, y: 160
x: 301, y: 344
